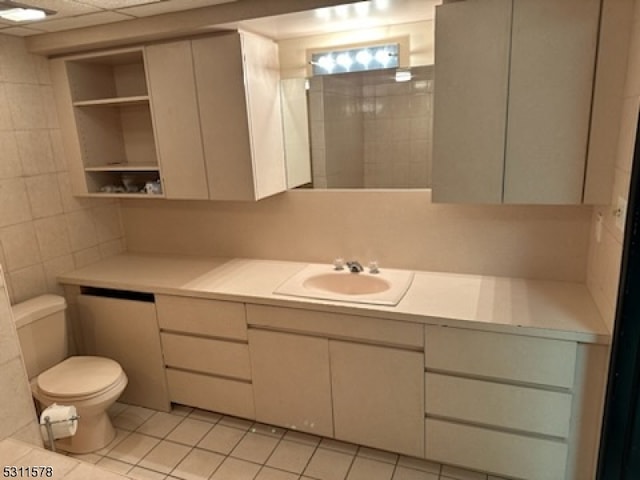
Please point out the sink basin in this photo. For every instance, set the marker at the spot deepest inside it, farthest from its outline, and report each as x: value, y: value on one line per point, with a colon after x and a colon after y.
x: 323, y: 282
x: 354, y: 284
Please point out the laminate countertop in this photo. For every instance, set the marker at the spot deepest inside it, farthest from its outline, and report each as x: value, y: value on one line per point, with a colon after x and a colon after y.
x: 541, y: 308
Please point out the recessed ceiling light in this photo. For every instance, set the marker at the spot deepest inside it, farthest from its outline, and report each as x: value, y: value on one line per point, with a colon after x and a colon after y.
x: 19, y: 12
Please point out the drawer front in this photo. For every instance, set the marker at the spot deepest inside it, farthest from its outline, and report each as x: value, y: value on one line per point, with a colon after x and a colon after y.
x: 496, y: 452
x: 218, y: 357
x: 511, y: 357
x: 499, y: 405
x: 221, y: 395
x: 214, y: 318
x: 336, y: 325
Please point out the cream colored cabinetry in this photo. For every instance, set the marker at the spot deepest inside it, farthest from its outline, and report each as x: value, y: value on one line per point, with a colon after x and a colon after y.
x: 217, y: 115
x: 513, y: 100
x: 506, y: 404
x: 126, y: 330
x: 105, y: 116
x: 353, y: 378
x: 377, y: 396
x: 205, y: 349
x: 201, y: 114
x: 291, y: 381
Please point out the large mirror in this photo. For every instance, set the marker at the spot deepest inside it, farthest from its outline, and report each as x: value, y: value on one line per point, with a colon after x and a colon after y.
x: 364, y: 129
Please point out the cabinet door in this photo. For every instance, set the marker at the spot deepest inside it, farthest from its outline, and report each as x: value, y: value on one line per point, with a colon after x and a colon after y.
x: 291, y: 381
x: 470, y: 100
x: 551, y: 81
x: 127, y: 332
x: 378, y: 396
x: 176, y: 120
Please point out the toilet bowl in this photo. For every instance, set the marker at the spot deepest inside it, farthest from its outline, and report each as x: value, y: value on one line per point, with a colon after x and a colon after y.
x: 92, y: 385
x: 89, y: 383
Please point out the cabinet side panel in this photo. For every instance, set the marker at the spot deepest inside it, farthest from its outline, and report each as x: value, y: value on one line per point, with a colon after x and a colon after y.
x: 611, y: 68
x: 552, y: 68
x: 470, y: 100
x: 68, y: 126
x: 176, y: 121
x: 262, y: 75
x: 223, y: 115
x: 127, y: 332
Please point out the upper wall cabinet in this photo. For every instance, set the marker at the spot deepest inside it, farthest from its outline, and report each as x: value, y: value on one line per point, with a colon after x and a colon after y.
x: 203, y: 115
x: 513, y: 96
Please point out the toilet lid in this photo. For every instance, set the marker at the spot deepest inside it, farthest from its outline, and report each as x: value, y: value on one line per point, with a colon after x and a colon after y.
x: 79, y: 376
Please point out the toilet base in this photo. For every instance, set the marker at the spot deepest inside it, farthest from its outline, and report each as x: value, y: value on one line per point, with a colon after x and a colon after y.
x: 94, y: 432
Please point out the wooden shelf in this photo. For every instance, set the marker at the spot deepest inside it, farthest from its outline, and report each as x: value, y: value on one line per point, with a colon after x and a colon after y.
x: 124, y: 195
x: 121, y: 167
x: 112, y: 102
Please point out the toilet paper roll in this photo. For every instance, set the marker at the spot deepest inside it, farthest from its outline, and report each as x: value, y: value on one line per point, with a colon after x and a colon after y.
x: 63, y: 421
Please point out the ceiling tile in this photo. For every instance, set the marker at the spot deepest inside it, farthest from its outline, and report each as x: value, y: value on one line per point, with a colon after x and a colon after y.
x: 170, y: 6
x: 83, y: 21
x: 113, y: 4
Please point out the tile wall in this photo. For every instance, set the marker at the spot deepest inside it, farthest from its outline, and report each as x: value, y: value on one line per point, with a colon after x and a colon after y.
x: 44, y: 230
x: 17, y: 415
x: 605, y: 255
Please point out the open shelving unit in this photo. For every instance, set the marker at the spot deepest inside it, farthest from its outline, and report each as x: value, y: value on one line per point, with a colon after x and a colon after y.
x: 112, y: 111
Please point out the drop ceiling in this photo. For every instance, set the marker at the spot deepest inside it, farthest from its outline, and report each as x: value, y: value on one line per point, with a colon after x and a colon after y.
x: 73, y: 14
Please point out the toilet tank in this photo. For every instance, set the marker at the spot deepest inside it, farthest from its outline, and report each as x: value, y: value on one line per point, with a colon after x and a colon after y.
x: 42, y: 331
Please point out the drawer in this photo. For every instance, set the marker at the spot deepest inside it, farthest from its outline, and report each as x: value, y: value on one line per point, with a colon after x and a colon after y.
x: 213, y: 318
x: 500, y: 453
x: 337, y: 325
x: 232, y: 397
x: 218, y: 357
x: 510, y: 357
x: 506, y: 406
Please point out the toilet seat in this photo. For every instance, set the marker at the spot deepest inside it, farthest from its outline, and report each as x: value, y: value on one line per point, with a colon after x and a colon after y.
x: 80, y: 377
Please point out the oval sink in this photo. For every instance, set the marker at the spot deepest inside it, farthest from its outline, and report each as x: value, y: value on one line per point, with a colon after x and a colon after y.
x: 347, y: 284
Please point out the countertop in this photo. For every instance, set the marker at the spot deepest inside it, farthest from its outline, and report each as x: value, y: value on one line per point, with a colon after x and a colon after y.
x: 541, y: 308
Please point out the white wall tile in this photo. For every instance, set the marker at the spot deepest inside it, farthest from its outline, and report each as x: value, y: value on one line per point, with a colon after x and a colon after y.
x: 55, y: 267
x: 36, y: 154
x: 10, y: 165
x: 44, y: 195
x: 108, y: 223
x: 52, y: 236
x: 14, y: 202
x: 69, y: 202
x: 25, y: 105
x: 57, y: 147
x: 5, y: 114
x: 27, y: 283
x: 18, y: 65
x: 20, y: 246
x: 48, y: 103
x: 81, y: 229
x: 82, y: 258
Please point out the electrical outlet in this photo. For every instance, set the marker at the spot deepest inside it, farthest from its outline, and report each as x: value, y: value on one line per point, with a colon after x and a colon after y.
x: 621, y: 213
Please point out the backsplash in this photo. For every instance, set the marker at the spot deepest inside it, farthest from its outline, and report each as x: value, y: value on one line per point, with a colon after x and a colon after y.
x: 44, y: 230
x: 401, y: 229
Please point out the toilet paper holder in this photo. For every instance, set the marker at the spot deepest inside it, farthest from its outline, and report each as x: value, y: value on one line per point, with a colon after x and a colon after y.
x: 49, y: 426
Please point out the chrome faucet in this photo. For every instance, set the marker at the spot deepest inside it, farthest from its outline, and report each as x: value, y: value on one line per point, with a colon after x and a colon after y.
x: 354, y: 266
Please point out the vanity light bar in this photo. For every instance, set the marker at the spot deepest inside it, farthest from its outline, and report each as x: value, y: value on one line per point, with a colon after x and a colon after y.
x: 355, y: 59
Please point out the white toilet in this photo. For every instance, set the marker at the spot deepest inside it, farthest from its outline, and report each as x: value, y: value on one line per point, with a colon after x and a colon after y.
x: 91, y: 384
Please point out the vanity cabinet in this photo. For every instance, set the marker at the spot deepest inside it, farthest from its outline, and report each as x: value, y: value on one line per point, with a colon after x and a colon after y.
x: 500, y: 403
x: 353, y: 378
x: 512, y: 100
x: 203, y: 115
x: 123, y: 326
x: 204, y: 343
x: 291, y: 381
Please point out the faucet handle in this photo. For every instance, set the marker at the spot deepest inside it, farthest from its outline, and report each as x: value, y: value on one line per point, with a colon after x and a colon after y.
x: 338, y: 263
x: 373, y: 266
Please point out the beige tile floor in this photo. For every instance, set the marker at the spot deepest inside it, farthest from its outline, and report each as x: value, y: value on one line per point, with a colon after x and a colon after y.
x: 192, y: 444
